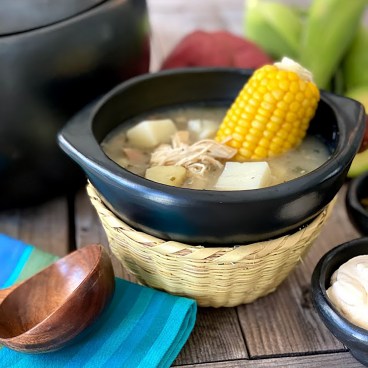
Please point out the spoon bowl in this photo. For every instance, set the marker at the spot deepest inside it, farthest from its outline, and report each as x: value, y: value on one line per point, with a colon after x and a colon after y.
x: 46, y: 311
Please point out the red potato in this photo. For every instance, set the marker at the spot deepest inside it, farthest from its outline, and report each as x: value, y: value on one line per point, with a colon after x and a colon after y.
x: 219, y: 48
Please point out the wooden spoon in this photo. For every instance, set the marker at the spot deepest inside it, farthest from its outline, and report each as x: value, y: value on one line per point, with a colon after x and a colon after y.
x: 46, y: 311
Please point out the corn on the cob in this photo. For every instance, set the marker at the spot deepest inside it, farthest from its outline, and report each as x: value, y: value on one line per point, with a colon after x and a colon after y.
x: 272, y: 112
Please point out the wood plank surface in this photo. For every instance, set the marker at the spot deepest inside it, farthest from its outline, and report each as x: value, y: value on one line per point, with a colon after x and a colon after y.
x: 333, y: 360
x: 88, y: 230
x: 216, y: 337
x: 45, y: 226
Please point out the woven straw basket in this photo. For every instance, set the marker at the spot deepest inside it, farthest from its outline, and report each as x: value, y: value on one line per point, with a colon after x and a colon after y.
x: 217, y: 277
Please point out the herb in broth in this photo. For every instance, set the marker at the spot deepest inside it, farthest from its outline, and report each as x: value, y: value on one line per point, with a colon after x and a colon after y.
x: 190, y: 143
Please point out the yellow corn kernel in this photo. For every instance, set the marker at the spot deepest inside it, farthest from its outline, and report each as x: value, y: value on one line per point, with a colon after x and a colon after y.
x: 272, y: 112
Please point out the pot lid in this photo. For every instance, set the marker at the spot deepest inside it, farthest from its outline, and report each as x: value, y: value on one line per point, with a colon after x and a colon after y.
x: 23, y: 15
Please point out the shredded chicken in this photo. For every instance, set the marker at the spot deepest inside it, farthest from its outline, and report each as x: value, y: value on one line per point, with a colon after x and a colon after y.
x: 198, y: 157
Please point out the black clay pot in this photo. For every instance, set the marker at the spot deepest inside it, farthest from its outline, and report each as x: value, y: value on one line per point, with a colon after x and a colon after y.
x: 209, y: 217
x: 47, y: 75
x: 358, y: 214
x: 24, y: 15
x: 352, y: 336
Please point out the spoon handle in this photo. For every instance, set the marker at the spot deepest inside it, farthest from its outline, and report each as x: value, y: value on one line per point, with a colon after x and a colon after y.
x: 5, y: 292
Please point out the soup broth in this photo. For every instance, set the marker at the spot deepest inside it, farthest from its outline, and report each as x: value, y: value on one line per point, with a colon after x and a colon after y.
x: 196, y: 123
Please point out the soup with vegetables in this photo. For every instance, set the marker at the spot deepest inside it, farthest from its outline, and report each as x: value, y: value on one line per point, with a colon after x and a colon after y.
x: 176, y: 147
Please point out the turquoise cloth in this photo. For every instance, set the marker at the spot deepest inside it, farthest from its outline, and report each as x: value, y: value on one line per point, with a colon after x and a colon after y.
x: 142, y: 327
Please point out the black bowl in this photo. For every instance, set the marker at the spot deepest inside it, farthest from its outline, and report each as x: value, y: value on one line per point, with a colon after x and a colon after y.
x: 47, y: 75
x: 20, y: 16
x: 353, y: 337
x: 358, y: 214
x: 208, y: 217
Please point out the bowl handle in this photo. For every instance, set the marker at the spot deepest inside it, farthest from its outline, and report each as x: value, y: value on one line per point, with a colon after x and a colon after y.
x: 350, y: 115
x: 76, y: 138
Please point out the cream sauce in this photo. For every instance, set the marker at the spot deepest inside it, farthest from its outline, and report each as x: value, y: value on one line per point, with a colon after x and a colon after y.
x: 349, y: 290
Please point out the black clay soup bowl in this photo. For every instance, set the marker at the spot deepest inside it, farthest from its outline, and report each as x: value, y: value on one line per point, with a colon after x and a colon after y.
x: 355, y: 338
x: 357, y: 209
x: 207, y: 216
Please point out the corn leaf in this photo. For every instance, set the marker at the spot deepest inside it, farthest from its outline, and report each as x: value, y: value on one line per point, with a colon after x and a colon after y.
x: 328, y: 32
x: 274, y: 26
x: 355, y: 63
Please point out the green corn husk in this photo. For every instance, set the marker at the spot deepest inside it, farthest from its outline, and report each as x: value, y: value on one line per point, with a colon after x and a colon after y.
x: 359, y: 165
x: 360, y: 94
x: 355, y: 63
x: 274, y: 26
x: 329, y: 30
x: 360, y: 162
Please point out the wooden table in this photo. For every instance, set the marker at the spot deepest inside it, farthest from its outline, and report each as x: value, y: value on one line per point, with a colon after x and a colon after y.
x: 280, y: 330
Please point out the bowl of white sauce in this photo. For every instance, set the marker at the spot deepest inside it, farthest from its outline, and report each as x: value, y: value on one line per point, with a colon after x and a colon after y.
x: 340, y: 295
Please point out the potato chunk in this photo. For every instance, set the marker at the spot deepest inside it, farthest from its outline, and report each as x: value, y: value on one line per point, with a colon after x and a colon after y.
x: 244, y: 176
x: 169, y: 175
x: 203, y: 129
x: 150, y: 133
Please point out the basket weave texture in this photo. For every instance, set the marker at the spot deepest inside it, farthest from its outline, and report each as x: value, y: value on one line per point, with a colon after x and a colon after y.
x: 216, y: 277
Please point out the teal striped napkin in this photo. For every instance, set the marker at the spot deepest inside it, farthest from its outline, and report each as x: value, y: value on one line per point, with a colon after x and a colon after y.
x: 142, y: 327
